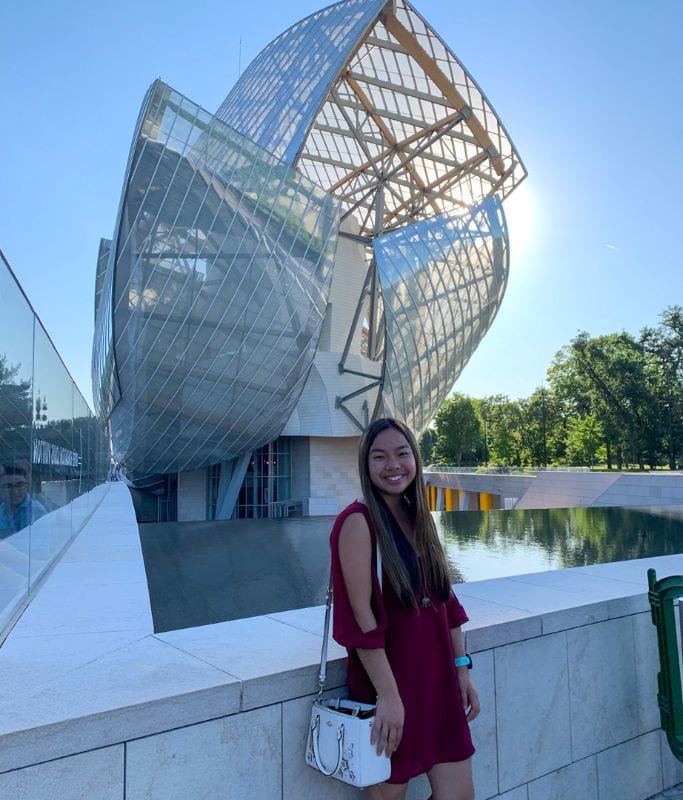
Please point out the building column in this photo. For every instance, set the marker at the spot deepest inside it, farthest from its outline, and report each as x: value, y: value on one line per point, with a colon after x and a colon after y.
x: 469, y: 501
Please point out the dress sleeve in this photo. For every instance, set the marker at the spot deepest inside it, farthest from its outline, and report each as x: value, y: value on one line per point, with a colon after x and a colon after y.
x: 455, y: 612
x: 345, y: 629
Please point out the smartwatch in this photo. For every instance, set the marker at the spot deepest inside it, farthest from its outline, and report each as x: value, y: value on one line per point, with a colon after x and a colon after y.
x: 463, y: 661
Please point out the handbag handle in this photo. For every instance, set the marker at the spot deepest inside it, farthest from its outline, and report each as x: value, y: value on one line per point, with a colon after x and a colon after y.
x: 315, y: 734
x: 322, y: 674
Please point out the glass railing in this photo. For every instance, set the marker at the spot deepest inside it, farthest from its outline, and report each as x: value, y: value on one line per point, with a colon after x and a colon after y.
x: 53, y: 450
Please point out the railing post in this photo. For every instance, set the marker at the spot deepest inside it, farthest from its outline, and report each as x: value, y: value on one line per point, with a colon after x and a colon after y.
x: 662, y: 595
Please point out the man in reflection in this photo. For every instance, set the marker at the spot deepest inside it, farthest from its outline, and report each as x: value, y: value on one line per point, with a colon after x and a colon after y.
x: 17, y: 508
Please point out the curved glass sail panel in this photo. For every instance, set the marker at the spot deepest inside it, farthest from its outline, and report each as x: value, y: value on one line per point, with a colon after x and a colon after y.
x: 211, y: 303
x: 404, y: 117
x: 280, y: 92
x: 222, y: 267
x: 442, y: 282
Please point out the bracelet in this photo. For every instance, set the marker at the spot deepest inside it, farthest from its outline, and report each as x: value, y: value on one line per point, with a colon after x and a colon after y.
x: 463, y: 661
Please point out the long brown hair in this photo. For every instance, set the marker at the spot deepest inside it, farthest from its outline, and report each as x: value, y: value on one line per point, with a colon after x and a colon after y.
x: 427, y: 544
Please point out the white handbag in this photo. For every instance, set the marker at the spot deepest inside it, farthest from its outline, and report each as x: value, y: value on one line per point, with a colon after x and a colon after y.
x: 338, y: 742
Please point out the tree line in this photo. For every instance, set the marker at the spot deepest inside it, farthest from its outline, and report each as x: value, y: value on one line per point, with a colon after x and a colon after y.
x: 615, y: 400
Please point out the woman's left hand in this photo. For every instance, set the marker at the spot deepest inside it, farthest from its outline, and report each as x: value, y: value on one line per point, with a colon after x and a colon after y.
x: 468, y: 694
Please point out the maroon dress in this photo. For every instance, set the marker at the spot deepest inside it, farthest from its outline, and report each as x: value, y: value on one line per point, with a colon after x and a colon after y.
x: 419, y: 649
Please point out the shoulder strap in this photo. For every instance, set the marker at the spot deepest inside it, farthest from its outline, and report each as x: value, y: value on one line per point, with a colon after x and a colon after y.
x: 322, y: 673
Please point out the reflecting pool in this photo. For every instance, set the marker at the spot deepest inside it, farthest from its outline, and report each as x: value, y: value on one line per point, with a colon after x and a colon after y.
x: 496, y: 544
x: 204, y: 572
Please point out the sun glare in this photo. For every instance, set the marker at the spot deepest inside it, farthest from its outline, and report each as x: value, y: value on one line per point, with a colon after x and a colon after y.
x: 522, y: 220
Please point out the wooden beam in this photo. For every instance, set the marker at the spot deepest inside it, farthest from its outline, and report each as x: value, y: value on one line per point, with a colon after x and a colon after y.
x: 389, y: 136
x: 434, y: 72
x: 402, y: 145
x: 373, y: 80
x: 440, y: 181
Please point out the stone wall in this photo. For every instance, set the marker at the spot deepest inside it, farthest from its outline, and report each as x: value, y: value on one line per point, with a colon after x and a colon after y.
x: 192, y: 495
x: 334, y: 474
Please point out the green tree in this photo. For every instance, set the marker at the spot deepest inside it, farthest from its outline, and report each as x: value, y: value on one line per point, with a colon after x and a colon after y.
x: 585, y: 442
x: 15, y: 413
x: 543, y: 430
x: 427, y: 442
x: 458, y: 431
x: 616, y: 391
x: 504, y: 429
x: 606, y: 376
x: 664, y: 347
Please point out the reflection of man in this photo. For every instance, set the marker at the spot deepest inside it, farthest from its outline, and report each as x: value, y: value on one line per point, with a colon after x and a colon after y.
x: 17, y: 509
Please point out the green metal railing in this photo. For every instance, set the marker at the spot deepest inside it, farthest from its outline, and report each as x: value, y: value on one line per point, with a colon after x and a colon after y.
x: 662, y: 595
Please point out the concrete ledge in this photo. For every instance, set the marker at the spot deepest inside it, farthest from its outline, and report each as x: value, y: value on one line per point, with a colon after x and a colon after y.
x: 83, y: 672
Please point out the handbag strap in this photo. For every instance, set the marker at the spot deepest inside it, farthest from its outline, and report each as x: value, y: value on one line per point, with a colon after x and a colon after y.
x: 322, y: 674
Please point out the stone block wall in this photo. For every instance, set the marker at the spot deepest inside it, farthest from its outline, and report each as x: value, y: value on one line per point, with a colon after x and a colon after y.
x: 568, y: 714
x: 192, y: 495
x: 334, y: 474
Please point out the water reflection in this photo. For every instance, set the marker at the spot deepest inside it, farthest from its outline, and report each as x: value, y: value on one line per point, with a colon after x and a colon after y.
x: 490, y: 544
x: 204, y: 572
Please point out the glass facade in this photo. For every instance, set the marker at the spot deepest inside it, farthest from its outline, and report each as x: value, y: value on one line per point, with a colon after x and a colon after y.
x: 278, y: 95
x: 405, y: 132
x: 52, y: 449
x: 219, y: 273
x: 442, y: 282
x: 267, y: 486
x: 213, y: 293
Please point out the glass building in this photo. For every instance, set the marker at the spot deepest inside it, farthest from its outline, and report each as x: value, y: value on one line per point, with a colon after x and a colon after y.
x: 327, y: 247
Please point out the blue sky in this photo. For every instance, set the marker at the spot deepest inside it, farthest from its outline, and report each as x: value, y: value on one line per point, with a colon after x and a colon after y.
x: 588, y: 91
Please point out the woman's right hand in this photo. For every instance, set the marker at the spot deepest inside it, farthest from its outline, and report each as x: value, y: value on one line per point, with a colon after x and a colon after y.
x: 388, y: 728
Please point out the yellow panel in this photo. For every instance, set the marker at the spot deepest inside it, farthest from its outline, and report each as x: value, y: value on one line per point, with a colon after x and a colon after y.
x: 450, y: 496
x: 485, y: 501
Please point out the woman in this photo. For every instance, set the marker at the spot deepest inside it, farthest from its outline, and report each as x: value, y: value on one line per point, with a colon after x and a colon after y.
x: 403, y: 639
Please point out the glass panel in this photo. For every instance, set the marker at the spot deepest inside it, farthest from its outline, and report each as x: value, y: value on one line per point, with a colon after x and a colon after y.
x: 220, y: 275
x: 276, y: 98
x: 52, y: 449
x: 267, y: 487
x: 442, y: 282
x: 56, y: 466
x: 86, y: 458
x: 16, y: 400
